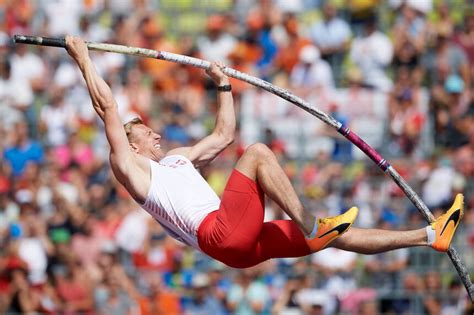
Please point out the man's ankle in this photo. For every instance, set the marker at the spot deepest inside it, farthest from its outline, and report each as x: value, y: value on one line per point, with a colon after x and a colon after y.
x: 314, y: 231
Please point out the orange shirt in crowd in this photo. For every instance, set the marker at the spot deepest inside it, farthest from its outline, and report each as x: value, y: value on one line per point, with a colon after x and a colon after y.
x: 162, y: 303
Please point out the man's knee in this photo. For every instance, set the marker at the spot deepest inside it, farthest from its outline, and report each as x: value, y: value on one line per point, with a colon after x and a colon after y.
x: 259, y: 150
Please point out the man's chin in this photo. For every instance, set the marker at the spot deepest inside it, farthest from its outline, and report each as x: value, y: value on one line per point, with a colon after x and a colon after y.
x: 157, y: 154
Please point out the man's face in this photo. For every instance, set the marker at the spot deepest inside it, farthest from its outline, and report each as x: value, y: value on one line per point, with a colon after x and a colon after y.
x: 329, y: 11
x: 146, y: 142
x: 21, y: 133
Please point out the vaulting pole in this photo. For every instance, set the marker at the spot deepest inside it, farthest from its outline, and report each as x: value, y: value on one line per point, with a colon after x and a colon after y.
x: 343, y: 130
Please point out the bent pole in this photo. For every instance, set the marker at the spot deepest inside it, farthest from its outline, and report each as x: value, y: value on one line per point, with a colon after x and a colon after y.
x: 343, y: 130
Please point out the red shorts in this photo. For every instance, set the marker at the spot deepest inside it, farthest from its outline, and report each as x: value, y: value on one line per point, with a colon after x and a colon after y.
x: 236, y: 235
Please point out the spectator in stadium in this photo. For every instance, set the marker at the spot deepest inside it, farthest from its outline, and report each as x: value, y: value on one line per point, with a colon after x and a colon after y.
x: 34, y: 246
x: 410, y: 26
x: 438, y: 185
x: 158, y: 299
x: 455, y: 293
x: 28, y: 67
x: 243, y: 58
x: 114, y: 295
x: 316, y: 301
x: 442, y: 21
x: 22, y: 297
x: 386, y: 268
x: 22, y: 150
x: 450, y: 106
x: 248, y: 295
x: 410, y: 34
x: 290, y: 42
x: 153, y: 37
x: 432, y: 282
x: 138, y: 95
x: 311, y: 72
x: 287, y: 299
x: 445, y: 59
x: 57, y: 119
x: 201, y: 301
x: 465, y: 38
x: 372, y: 53
x: 74, y: 286
x: 258, y: 33
x: 16, y: 95
x: 368, y: 307
x: 336, y: 277
x: 332, y: 36
x: 405, y: 116
x: 216, y: 43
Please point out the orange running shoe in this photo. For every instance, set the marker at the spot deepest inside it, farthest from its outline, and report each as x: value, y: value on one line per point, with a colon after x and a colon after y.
x: 331, y: 228
x: 445, y: 226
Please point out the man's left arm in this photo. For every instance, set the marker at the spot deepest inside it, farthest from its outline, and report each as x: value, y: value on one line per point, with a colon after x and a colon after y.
x: 222, y: 136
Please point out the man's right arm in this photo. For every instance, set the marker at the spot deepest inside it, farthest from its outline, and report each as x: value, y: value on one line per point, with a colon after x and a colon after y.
x: 122, y: 159
x: 100, y: 93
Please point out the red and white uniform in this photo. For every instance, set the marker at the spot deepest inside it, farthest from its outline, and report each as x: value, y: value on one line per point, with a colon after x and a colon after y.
x: 179, y: 198
x: 232, y: 230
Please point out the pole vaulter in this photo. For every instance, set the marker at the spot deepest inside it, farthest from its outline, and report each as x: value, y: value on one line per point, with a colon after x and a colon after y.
x: 343, y: 130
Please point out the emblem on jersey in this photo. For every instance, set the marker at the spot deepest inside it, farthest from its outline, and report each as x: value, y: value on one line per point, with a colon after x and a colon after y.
x: 176, y: 164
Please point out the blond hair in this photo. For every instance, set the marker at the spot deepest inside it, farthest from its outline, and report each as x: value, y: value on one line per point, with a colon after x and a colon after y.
x: 129, y: 125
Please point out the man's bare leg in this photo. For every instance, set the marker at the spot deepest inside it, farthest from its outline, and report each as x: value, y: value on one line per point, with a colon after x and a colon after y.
x: 260, y: 164
x: 373, y: 241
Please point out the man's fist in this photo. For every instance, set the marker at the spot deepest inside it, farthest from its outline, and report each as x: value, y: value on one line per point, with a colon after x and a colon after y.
x: 76, y: 47
x: 215, y: 71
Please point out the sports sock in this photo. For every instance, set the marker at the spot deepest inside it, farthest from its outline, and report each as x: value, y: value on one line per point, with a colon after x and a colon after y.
x: 430, y: 235
x: 314, y: 231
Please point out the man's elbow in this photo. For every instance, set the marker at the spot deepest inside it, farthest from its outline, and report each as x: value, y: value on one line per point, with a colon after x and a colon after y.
x: 109, y: 109
x: 224, y: 138
x: 227, y: 140
x: 107, y: 104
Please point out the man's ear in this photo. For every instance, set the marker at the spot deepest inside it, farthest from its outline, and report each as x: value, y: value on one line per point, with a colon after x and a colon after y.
x: 134, y: 147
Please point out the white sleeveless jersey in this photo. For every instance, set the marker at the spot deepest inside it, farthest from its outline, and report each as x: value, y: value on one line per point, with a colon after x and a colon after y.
x: 179, y: 198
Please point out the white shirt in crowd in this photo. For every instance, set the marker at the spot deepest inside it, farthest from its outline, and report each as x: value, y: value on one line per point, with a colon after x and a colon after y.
x: 372, y: 54
x: 132, y: 232
x: 330, y: 33
x: 32, y: 251
x: 217, y: 49
x: 26, y: 67
x: 63, y: 16
x: 59, y: 121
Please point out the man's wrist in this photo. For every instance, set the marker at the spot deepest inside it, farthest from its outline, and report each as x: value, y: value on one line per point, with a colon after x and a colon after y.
x: 222, y: 81
x: 224, y: 88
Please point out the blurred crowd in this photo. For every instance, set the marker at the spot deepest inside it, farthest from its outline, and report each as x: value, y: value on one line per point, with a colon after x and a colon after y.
x: 72, y: 240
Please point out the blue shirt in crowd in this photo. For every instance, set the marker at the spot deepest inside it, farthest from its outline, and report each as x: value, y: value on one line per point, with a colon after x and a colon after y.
x: 18, y: 157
